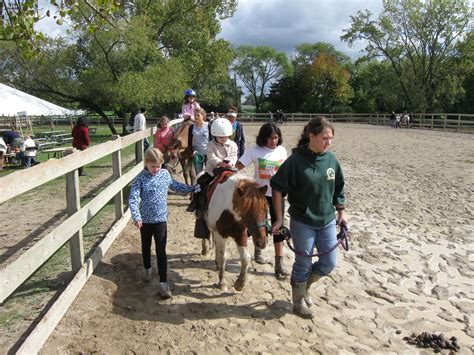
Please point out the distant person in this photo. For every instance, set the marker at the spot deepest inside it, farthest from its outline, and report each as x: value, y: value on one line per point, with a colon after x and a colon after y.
x: 237, y: 130
x: 163, y: 137
x: 29, y: 150
x: 270, y: 116
x: 198, y: 138
x: 80, y: 137
x: 149, y: 207
x: 314, y: 182
x: 189, y: 105
x: 139, y: 124
x: 3, y: 151
x: 393, y: 118
x: 266, y: 157
x: 13, y: 139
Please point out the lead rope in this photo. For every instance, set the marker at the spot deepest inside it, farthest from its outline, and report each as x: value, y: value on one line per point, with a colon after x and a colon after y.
x: 342, y: 239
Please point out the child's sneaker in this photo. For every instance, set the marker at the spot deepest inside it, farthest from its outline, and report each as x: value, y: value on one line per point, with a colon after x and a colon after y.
x: 164, y: 290
x: 147, y: 275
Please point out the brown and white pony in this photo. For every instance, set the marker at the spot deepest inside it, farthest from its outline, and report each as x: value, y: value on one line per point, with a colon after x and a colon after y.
x: 237, y: 205
x: 179, y: 152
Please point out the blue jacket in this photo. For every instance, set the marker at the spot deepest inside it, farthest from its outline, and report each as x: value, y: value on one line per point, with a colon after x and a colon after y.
x: 148, y: 196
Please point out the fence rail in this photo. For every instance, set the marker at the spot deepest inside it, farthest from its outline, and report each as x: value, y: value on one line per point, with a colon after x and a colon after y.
x: 13, y: 275
x: 437, y: 121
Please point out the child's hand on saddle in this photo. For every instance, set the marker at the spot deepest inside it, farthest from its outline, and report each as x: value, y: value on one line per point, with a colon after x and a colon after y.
x: 223, y: 164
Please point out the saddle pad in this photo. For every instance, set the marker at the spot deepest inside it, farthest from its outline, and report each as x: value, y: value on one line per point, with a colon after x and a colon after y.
x: 218, y: 180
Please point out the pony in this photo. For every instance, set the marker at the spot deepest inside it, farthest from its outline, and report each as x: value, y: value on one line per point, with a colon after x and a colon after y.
x: 237, y: 206
x: 179, y: 152
x: 405, y: 121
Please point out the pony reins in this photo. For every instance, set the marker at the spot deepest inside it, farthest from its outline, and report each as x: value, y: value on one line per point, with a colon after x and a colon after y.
x: 342, y: 239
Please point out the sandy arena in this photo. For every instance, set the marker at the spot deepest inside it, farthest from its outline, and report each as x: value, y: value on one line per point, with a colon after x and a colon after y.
x: 410, y: 197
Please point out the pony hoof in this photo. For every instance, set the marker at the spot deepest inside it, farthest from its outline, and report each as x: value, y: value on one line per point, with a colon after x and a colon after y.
x: 239, y: 284
x: 223, y: 287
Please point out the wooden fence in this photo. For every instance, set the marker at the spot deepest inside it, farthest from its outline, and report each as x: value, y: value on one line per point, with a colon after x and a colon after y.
x: 17, y: 272
x: 437, y: 121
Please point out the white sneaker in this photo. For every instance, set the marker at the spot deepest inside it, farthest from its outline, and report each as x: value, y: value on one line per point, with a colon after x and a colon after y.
x: 164, y: 290
x: 147, y: 275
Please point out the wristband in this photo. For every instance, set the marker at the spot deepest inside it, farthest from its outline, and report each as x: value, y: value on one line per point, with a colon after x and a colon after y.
x: 340, y: 208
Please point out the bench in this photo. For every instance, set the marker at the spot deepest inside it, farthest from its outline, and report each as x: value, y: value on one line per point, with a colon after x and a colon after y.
x: 47, y: 145
x: 92, y: 130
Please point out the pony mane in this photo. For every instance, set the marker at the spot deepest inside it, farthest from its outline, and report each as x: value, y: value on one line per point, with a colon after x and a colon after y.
x: 248, y: 198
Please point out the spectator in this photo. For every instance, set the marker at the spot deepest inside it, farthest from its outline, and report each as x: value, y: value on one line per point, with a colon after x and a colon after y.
x: 139, y: 124
x: 28, y: 150
x: 237, y: 131
x: 80, y: 137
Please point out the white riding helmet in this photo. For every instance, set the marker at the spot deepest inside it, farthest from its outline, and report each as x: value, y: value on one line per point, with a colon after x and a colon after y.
x: 221, y: 127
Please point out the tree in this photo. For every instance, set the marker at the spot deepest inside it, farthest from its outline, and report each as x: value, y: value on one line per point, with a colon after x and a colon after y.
x: 143, y: 59
x: 417, y: 38
x: 319, y: 81
x: 258, y: 67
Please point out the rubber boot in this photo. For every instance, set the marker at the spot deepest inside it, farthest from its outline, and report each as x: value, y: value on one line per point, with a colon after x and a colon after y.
x: 299, y: 305
x: 259, y: 258
x: 280, y: 272
x: 313, y: 277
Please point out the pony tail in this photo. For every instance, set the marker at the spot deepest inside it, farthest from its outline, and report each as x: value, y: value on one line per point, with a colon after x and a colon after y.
x: 303, y: 141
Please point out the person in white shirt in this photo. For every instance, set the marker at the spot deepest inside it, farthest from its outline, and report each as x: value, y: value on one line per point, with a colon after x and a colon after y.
x: 267, y: 156
x: 28, y: 149
x: 139, y: 124
x: 3, y: 150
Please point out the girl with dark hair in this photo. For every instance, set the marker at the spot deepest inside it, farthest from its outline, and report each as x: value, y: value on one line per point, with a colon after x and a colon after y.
x: 313, y: 180
x: 80, y: 137
x: 267, y: 156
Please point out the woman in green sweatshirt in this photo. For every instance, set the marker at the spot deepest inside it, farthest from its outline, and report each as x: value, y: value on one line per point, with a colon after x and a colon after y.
x: 313, y: 180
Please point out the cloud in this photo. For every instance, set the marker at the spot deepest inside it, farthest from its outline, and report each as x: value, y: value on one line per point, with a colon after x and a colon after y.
x: 285, y: 24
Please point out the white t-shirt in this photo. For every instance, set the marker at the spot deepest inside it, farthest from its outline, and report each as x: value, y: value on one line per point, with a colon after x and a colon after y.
x: 139, y: 122
x: 266, y: 163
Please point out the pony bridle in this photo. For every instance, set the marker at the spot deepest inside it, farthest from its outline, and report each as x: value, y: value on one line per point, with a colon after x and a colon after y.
x: 268, y: 227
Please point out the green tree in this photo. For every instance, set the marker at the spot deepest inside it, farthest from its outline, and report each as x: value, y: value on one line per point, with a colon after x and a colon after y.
x: 258, y: 67
x: 417, y: 38
x: 319, y: 81
x: 143, y: 59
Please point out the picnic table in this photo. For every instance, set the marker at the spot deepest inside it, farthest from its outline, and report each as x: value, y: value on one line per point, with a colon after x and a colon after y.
x: 57, y: 152
x: 49, y: 134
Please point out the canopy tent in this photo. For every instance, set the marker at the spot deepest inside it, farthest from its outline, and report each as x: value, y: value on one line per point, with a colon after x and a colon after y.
x: 14, y: 102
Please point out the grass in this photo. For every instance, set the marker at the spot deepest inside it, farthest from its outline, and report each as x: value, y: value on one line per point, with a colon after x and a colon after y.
x: 31, y: 299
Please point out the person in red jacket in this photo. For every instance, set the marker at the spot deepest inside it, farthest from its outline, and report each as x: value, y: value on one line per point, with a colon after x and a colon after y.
x: 80, y: 137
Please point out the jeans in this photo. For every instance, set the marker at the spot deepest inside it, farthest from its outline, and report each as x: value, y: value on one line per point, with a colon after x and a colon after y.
x: 304, y: 238
x: 159, y: 232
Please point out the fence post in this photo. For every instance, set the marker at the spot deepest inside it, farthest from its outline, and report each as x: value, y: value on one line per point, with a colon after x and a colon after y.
x: 116, y: 174
x: 421, y: 117
x: 139, y: 151
x: 459, y: 123
x: 76, y: 244
x: 444, y: 122
x: 432, y: 121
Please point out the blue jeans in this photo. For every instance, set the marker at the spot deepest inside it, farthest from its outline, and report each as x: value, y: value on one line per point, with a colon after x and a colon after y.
x: 304, y: 238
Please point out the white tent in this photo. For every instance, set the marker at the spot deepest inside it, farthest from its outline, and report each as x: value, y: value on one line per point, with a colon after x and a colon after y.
x: 15, y: 102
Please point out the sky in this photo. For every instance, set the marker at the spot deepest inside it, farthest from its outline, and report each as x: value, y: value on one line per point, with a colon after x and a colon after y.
x: 283, y: 24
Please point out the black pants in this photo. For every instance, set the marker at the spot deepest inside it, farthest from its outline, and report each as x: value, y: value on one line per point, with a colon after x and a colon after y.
x: 159, y: 232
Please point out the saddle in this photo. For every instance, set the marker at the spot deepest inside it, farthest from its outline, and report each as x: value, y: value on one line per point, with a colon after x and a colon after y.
x: 220, y: 178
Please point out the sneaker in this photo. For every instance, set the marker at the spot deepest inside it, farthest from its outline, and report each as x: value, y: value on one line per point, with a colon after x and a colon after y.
x: 164, y: 290
x: 147, y: 275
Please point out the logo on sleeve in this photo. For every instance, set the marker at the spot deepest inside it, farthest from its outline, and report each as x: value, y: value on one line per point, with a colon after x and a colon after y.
x: 331, y: 175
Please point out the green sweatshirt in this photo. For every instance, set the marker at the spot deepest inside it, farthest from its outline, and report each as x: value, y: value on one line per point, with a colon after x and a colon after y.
x: 314, y: 184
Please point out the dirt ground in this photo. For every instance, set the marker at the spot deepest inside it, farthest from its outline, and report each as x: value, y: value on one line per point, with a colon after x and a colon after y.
x: 410, y: 268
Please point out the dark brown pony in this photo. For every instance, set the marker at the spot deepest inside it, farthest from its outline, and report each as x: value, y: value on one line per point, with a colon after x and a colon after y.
x: 236, y: 207
x: 179, y: 152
